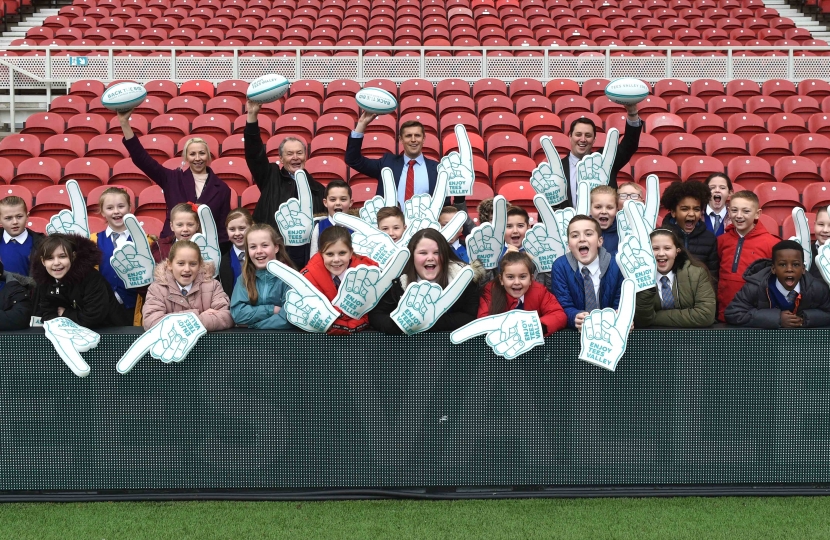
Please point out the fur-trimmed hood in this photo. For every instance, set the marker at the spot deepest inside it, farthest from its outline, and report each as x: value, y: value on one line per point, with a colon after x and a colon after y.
x: 454, y: 269
x: 87, y: 257
x: 164, y: 276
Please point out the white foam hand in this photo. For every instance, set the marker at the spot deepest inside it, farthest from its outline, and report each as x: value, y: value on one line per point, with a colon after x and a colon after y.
x: 367, y: 240
x: 649, y: 211
x: 72, y: 221
x: 604, y: 333
x: 509, y: 334
x: 369, y: 212
x: 823, y: 261
x: 423, y: 303
x: 544, y: 241
x: 485, y: 242
x: 69, y: 340
x: 169, y: 340
x: 548, y: 178
x: 635, y: 257
x: 802, y: 235
x: 364, y: 286
x: 583, y: 198
x: 426, y: 205
x: 305, y: 307
x: 596, y: 168
x: 459, y: 165
x: 295, y: 217
x: 208, y: 239
x: 133, y: 261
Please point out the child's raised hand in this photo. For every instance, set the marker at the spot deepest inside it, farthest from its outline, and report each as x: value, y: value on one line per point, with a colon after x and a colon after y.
x: 579, y: 319
x: 791, y: 320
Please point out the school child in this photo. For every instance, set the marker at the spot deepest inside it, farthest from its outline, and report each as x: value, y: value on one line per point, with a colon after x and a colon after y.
x: 744, y: 242
x: 432, y: 260
x: 604, y: 210
x: 514, y: 288
x: 114, y: 204
x: 392, y: 221
x: 15, y: 303
x: 338, y: 198
x: 518, y: 222
x: 18, y: 241
x: 685, y: 202
x: 460, y: 249
x: 68, y: 285
x: 258, y: 295
x: 630, y: 191
x: 236, y: 224
x: 326, y: 269
x: 587, y: 277
x: 184, y: 222
x: 779, y: 294
x: 821, y: 228
x: 184, y: 283
x: 717, y: 216
x: 684, y: 296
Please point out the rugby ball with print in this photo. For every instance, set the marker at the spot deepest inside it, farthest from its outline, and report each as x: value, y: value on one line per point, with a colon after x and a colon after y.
x: 627, y: 91
x: 268, y: 88
x: 123, y: 96
x: 375, y: 100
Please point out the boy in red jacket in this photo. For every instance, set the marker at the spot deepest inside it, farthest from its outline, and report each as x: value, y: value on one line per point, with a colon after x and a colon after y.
x: 744, y: 242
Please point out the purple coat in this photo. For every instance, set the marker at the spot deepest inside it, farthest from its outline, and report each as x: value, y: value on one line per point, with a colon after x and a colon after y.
x: 179, y: 187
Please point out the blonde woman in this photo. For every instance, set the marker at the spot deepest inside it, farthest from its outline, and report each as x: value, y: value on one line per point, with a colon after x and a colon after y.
x: 193, y: 181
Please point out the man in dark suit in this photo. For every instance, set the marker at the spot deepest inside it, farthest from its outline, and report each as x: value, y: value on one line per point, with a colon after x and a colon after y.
x: 415, y: 179
x: 582, y: 133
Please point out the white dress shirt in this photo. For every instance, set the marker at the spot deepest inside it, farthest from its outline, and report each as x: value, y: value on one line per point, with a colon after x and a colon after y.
x: 722, y: 215
x: 421, y: 176
x: 660, y: 276
x: 20, y: 238
x: 592, y: 267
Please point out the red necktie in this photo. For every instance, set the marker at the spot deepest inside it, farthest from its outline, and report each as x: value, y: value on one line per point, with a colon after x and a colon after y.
x: 409, y: 188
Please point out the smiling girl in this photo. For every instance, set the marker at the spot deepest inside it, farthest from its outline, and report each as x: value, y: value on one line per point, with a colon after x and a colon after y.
x: 684, y: 296
x: 236, y: 224
x: 515, y: 288
x: 717, y: 215
x: 68, y: 285
x: 184, y: 283
x: 258, y: 295
x: 685, y: 202
x: 326, y: 269
x: 184, y: 222
x: 432, y: 260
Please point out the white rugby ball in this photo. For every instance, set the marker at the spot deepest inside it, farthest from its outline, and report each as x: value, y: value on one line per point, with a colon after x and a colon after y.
x: 375, y: 100
x: 627, y: 91
x: 268, y: 88
x: 123, y: 96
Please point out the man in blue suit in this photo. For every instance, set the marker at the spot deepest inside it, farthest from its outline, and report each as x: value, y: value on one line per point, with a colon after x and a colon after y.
x: 424, y: 170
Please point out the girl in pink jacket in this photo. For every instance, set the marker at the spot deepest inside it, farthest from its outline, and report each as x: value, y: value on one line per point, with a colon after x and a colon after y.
x: 185, y: 283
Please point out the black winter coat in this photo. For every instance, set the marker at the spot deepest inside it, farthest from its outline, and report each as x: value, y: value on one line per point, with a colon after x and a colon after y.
x: 752, y: 305
x: 701, y: 242
x: 83, y: 292
x: 15, y: 303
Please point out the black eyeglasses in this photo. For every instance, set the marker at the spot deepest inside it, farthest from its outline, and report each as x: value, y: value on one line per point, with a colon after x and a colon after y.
x: 632, y: 196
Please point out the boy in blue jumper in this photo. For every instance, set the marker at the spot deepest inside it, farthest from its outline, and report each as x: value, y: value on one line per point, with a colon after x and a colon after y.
x: 338, y: 198
x: 604, y: 210
x: 460, y: 249
x: 18, y: 241
x: 586, y: 278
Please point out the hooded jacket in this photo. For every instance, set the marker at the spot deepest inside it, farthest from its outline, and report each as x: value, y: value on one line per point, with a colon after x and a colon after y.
x: 752, y: 306
x: 566, y: 284
x: 537, y: 298
x: 701, y: 242
x: 15, y: 304
x: 317, y: 274
x: 694, y: 301
x: 462, y: 312
x: 164, y: 297
x: 83, y: 292
x: 261, y: 316
x: 736, y: 255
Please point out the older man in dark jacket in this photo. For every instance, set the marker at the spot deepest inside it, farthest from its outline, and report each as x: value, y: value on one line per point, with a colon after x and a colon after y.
x: 276, y: 184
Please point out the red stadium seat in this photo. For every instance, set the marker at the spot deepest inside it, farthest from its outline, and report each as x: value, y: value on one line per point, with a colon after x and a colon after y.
x: 294, y: 125
x: 812, y: 145
x: 190, y: 107
x: 44, y: 125
x: 489, y: 87
x: 125, y: 173
x: 17, y: 148
x: 804, y: 106
x: 151, y: 203
x: 725, y: 106
x: 511, y: 168
x: 787, y: 125
x: 229, y: 106
x: 661, y: 125
x: 670, y: 88
x: 151, y: 225
x: 769, y: 146
x: 338, y: 105
x: 742, y: 89
x: 306, y: 87
x: 109, y: 148
x: 561, y: 87
x: 725, y: 146
x: 86, y: 126
x: 705, y: 124
x: 233, y: 88
x: 157, y: 145
x: 680, y: 146
x: 234, y: 145
x: 330, y: 145
x: 815, y: 88
x: 788, y: 227
x: 815, y: 196
x: 174, y: 126
x: 202, y: 89
x: 705, y: 89
x: 449, y: 121
x: 663, y: 167
x: 772, y: 225
x: 698, y: 168
x: 37, y: 173
x: 456, y: 104
x: 763, y: 106
x: 499, y: 122
x: 233, y: 171
x: 452, y: 87
x: 450, y: 143
x: 49, y: 201
x: 777, y: 200
x: 16, y: 191
x: 68, y: 106
x: 216, y: 125
x: 541, y: 124
x: 138, y: 124
x: 250, y: 197
x: 819, y: 123
x: 164, y: 90
x: 87, y: 89
x: 328, y: 168
x: 797, y: 171
x: 415, y: 87
x: 363, y: 191
x: 6, y: 171
x: 502, y: 144
x: 750, y: 171
x: 90, y: 172
x: 525, y: 87
x: 746, y: 125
